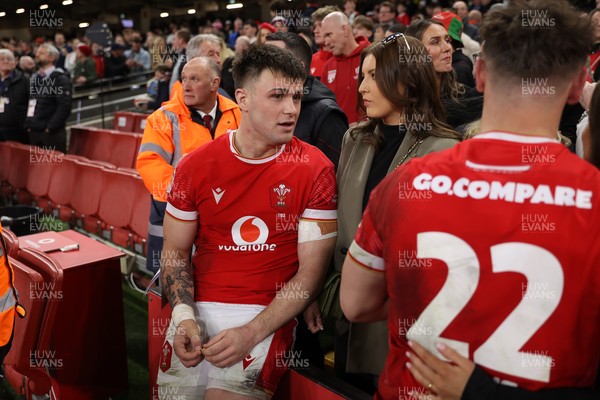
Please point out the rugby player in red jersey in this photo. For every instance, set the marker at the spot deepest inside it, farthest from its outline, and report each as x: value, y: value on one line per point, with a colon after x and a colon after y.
x: 492, y: 248
x: 260, y: 207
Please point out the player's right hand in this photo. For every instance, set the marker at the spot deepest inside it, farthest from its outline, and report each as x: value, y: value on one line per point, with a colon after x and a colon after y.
x: 187, y: 343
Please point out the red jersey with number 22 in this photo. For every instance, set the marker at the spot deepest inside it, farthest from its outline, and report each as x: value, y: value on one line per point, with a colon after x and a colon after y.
x: 248, y: 212
x: 493, y: 248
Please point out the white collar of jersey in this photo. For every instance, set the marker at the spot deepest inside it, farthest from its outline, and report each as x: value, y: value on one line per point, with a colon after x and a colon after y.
x: 252, y: 160
x: 513, y: 137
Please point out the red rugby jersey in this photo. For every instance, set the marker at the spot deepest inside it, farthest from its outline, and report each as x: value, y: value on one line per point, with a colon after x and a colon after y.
x: 492, y: 247
x: 248, y: 212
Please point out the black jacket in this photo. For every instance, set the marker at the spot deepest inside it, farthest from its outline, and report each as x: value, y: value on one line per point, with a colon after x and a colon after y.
x: 115, y: 66
x: 53, y: 101
x: 463, y: 68
x: 16, y: 89
x: 322, y: 122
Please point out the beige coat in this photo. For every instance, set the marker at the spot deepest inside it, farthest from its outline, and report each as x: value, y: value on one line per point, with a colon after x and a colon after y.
x: 368, y: 343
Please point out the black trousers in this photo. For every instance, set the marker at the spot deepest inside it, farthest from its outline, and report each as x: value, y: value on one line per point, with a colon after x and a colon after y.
x: 54, y: 141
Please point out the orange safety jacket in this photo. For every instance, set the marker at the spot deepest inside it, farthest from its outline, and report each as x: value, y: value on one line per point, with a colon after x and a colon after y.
x: 170, y: 134
x: 8, y: 296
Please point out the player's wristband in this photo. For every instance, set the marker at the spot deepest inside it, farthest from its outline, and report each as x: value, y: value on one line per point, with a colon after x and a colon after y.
x: 181, y: 312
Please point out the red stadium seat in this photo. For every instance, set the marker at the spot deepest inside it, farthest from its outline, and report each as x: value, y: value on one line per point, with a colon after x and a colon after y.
x: 102, y: 145
x: 12, y: 243
x: 42, y: 165
x: 19, y: 171
x: 31, y: 353
x: 116, y: 206
x: 79, y: 142
x: 62, y: 186
x: 124, y: 149
x: 140, y: 215
x: 140, y: 123
x: 5, y: 152
x: 86, y: 195
x: 124, y: 121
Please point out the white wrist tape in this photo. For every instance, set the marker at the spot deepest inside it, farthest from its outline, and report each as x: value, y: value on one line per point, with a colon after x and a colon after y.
x: 181, y: 312
x: 309, y: 231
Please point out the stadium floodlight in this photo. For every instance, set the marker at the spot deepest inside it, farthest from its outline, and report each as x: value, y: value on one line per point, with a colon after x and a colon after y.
x: 164, y: 14
x: 233, y: 6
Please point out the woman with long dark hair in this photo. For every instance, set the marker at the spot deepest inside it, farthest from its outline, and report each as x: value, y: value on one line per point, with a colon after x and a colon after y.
x: 462, y: 103
x: 399, y: 93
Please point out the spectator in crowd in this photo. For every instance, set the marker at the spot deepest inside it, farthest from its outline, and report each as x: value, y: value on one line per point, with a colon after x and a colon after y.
x: 227, y: 84
x: 71, y: 58
x: 461, y: 63
x: 241, y: 353
x: 98, y: 57
x: 340, y: 73
x: 362, y: 26
x: 591, y: 136
x: 235, y: 33
x: 27, y: 65
x: 138, y: 58
x: 250, y: 30
x: 61, y: 44
x: 323, y: 54
x: 280, y: 23
x: 462, y: 10
x: 402, y: 16
x: 116, y: 63
x: 25, y: 49
x: 379, y: 33
x: 14, y: 95
x: 49, y: 102
x: 322, y: 122
x: 401, y: 100
x: 463, y: 105
x: 179, y: 45
x: 202, y: 45
x: 85, y: 67
x: 475, y: 264
x: 158, y: 51
x: 173, y: 28
x: 158, y: 89
x: 225, y: 52
x: 475, y: 18
x: 263, y: 30
x: 386, y: 14
x: 187, y: 121
x: 396, y: 28
x: 350, y: 10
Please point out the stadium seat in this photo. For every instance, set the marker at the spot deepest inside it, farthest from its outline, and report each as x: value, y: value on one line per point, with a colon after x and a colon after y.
x: 42, y: 165
x: 31, y: 353
x: 5, y: 152
x: 78, y: 144
x: 124, y: 121
x: 12, y: 243
x: 19, y: 171
x: 61, y: 187
x: 101, y: 145
x: 116, y: 206
x: 140, y: 123
x: 86, y: 195
x: 140, y: 215
x: 124, y: 149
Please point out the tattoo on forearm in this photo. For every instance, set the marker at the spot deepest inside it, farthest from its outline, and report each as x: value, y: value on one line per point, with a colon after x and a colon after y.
x: 177, y: 281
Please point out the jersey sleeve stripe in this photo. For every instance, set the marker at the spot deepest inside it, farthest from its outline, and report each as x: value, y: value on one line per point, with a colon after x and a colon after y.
x: 181, y: 215
x: 366, y: 259
x: 319, y: 214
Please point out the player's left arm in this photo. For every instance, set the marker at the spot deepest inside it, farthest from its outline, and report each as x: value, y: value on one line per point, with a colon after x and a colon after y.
x: 363, y: 294
x: 232, y: 345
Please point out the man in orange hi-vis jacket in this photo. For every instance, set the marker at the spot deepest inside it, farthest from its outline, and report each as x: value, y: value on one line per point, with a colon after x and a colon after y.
x: 190, y: 119
x: 8, y: 302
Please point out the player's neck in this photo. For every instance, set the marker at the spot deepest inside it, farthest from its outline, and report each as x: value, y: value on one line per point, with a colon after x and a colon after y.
x: 247, y: 147
x: 527, y: 117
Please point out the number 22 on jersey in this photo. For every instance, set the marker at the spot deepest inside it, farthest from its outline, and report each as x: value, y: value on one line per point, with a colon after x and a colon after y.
x: 500, y: 351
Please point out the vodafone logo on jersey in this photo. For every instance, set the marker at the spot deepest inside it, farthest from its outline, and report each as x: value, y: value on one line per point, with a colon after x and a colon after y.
x: 249, y: 233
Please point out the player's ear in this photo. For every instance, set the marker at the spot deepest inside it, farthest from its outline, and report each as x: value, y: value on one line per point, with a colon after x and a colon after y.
x: 242, y: 99
x: 480, y: 74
